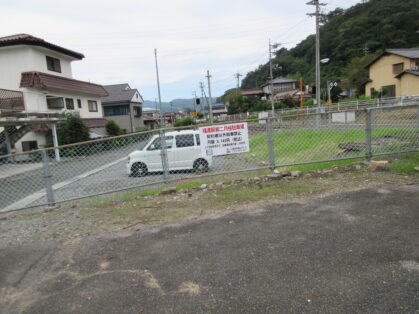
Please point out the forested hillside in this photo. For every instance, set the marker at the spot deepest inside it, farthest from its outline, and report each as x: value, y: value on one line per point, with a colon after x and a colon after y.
x: 350, y: 38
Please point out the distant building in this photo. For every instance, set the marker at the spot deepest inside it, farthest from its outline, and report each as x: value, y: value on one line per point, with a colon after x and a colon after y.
x: 124, y: 105
x: 394, y: 73
x: 282, y: 87
x: 151, y: 118
x: 219, y: 110
x: 255, y: 92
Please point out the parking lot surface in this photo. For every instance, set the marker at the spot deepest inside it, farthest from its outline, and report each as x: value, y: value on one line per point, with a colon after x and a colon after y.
x: 352, y: 252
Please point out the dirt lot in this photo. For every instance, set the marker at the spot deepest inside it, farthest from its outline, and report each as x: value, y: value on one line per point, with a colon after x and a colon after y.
x: 135, y: 210
x: 331, y: 241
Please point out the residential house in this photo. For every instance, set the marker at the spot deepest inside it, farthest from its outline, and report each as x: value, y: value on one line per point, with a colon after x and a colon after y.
x: 41, y: 72
x: 124, y: 105
x: 255, y: 92
x: 394, y: 73
x: 282, y: 87
x: 151, y: 118
x: 219, y: 110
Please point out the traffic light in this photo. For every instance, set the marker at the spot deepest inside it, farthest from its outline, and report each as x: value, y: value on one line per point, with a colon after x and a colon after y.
x: 197, y: 101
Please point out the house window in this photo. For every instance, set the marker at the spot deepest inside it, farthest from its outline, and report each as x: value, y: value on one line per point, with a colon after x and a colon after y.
x: 388, y: 91
x: 69, y: 103
x: 109, y: 111
x: 398, y: 68
x: 53, y: 64
x: 138, y: 112
x: 29, y: 145
x: 55, y: 102
x: 79, y: 103
x: 92, y: 105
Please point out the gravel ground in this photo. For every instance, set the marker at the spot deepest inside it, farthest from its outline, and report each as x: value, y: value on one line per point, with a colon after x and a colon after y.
x: 81, y: 218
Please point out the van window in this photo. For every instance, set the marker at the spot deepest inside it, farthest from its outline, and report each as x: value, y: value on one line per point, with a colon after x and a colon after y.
x: 198, y: 140
x: 185, y: 140
x: 156, y: 143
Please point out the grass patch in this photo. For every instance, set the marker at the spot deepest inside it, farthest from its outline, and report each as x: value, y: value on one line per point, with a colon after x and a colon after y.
x: 293, y: 146
x: 405, y: 163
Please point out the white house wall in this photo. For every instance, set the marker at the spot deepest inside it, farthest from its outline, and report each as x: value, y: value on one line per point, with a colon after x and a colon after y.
x: 35, y: 100
x: 17, y: 59
x: 39, y: 137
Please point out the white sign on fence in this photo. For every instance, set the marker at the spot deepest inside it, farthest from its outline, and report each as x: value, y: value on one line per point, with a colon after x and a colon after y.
x: 224, y: 139
x: 262, y: 115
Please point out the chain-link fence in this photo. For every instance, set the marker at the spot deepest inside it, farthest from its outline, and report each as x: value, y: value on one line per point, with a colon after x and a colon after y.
x: 163, y: 156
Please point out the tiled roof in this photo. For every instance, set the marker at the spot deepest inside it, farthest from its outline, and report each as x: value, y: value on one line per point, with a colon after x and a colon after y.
x: 44, y: 80
x: 249, y: 92
x: 25, y: 39
x: 280, y: 80
x: 410, y: 53
x: 95, y: 123
x: 119, y: 93
x: 413, y: 72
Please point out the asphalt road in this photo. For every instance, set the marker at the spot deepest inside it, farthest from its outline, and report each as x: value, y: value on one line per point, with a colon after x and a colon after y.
x: 353, y: 252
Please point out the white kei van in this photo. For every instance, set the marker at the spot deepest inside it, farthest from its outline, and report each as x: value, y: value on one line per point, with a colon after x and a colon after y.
x: 183, y: 153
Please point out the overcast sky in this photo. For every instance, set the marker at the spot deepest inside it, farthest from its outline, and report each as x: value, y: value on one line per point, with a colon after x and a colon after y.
x: 118, y: 37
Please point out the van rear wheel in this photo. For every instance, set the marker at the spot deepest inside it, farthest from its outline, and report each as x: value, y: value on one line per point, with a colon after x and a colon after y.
x: 139, y: 169
x: 200, y: 165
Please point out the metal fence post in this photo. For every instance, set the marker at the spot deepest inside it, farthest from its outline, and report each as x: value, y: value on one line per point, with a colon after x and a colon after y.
x: 270, y: 144
x: 164, y: 159
x: 368, y: 134
x: 47, y: 178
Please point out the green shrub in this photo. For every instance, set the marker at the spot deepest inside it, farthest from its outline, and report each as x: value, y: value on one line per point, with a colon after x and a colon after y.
x: 141, y: 128
x: 185, y: 122
x: 72, y: 130
x: 113, y: 129
x: 251, y: 117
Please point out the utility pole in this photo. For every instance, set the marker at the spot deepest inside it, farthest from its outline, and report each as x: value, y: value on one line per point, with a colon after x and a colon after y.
x: 171, y: 111
x: 272, y: 46
x: 317, y: 14
x: 204, y: 96
x: 237, y: 75
x: 164, y: 159
x: 209, y: 96
x: 194, y: 101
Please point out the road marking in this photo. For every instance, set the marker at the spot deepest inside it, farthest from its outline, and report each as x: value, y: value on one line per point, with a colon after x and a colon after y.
x: 37, y: 195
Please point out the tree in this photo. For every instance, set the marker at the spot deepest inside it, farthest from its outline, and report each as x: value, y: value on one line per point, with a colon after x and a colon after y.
x: 113, y: 129
x: 367, y: 27
x: 355, y: 75
x: 72, y: 130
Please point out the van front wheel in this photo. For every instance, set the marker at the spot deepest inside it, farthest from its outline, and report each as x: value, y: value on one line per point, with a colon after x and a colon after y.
x: 201, y: 165
x: 139, y: 169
